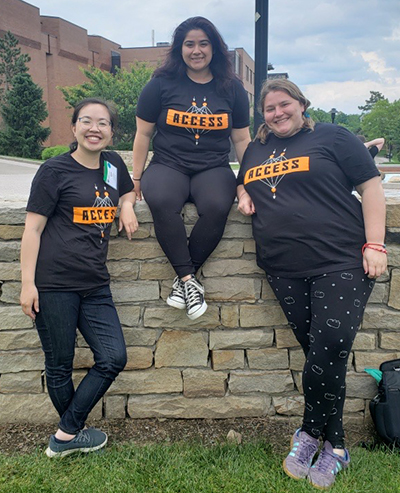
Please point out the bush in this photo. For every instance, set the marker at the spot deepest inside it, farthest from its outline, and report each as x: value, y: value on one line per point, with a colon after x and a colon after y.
x: 49, y: 152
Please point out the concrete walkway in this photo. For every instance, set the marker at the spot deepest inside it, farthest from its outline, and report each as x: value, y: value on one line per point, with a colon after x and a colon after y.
x: 15, y: 181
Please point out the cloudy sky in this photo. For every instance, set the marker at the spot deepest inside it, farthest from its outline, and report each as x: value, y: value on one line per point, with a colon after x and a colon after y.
x: 335, y: 50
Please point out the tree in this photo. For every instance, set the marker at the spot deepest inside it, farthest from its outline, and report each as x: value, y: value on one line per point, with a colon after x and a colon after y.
x: 352, y: 122
x: 23, y: 111
x: 123, y: 89
x: 375, y: 96
x: 12, y: 62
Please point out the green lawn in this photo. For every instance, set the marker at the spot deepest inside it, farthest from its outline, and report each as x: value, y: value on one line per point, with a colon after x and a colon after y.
x: 187, y: 468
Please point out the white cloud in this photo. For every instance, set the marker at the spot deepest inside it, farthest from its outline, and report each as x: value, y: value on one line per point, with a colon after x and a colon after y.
x: 376, y: 63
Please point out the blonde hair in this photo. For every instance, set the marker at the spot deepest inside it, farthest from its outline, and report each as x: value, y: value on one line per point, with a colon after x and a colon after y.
x: 294, y: 92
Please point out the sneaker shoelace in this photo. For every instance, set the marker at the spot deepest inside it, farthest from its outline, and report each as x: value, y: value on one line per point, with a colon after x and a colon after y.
x: 193, y: 292
x: 178, y: 287
x: 326, y: 462
x: 82, y: 437
x: 306, y: 450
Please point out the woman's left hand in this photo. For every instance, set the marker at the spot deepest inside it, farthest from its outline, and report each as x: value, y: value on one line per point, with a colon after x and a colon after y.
x: 127, y: 219
x: 374, y: 263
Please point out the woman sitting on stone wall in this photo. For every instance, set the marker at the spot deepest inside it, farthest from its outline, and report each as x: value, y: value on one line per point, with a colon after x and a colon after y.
x: 65, y: 282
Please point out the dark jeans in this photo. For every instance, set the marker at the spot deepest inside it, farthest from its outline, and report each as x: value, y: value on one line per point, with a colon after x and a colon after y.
x: 94, y: 314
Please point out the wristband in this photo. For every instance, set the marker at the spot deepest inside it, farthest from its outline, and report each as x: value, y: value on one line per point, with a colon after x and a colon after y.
x: 379, y: 247
x: 136, y: 179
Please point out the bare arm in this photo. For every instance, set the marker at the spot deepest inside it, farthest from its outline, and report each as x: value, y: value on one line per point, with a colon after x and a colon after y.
x: 379, y: 143
x: 241, y: 139
x: 127, y: 216
x: 374, y: 211
x: 34, y: 226
x: 144, y: 132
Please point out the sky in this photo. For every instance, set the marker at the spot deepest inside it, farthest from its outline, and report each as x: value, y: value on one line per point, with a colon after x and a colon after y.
x: 336, y: 51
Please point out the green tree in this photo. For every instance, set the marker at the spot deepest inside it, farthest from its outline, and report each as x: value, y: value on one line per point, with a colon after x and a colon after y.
x: 123, y: 89
x: 375, y: 96
x: 351, y: 122
x: 12, y: 62
x: 319, y: 115
x: 23, y: 111
x: 384, y: 121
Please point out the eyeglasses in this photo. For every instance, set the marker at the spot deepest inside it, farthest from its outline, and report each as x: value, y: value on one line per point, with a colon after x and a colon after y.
x: 88, y: 123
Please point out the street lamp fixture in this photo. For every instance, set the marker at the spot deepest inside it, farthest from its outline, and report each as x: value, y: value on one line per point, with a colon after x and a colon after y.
x: 333, y: 112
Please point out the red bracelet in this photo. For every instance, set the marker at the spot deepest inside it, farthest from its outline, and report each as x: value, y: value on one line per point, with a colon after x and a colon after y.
x: 372, y: 246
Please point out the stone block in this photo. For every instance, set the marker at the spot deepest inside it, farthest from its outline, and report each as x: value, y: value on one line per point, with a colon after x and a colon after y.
x: 297, y: 359
x: 137, y: 291
x: 169, y: 317
x: 204, y: 407
x: 10, y: 292
x: 19, y: 339
x: 394, y: 296
x: 268, y: 359
x: 83, y: 358
x: 354, y: 405
x: 27, y: 408
x: 190, y: 214
x: 16, y: 361
x: 381, y: 318
x: 135, y: 250
x: 232, y: 289
x: 141, y: 233
x: 360, y: 385
x: 12, y: 215
x: 238, y: 230
x: 156, y: 270
x: 289, y: 406
x: 10, y: 251
x: 392, y: 215
x: 129, y: 315
x: 269, y: 382
x: 28, y: 382
x: 241, y: 339
x: 237, y: 217
x: 230, y: 315
x: 380, y: 293
x: 8, y: 232
x: 142, y: 212
x: 232, y: 359
x: 12, y: 317
x: 140, y: 337
x: 298, y: 380
x: 139, y: 358
x: 364, y: 359
x: 115, y: 406
x: 228, y: 249
x: 393, y: 255
x: 10, y: 271
x: 285, y: 338
x: 261, y: 315
x: 249, y: 246
x: 231, y: 267
x: 204, y: 383
x: 181, y: 348
x: 389, y: 340
x: 266, y: 291
x: 365, y: 341
x: 164, y: 381
x: 123, y: 270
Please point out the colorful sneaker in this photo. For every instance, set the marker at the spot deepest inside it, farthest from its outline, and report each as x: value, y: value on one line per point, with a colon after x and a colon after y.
x: 194, y: 295
x: 322, y: 474
x: 298, y: 462
x: 87, y: 440
x: 177, y: 295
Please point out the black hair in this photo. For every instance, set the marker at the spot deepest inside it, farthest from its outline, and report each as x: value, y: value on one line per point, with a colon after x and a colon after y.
x: 220, y: 65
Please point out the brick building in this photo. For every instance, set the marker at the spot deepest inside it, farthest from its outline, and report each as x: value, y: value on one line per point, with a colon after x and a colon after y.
x: 59, y: 48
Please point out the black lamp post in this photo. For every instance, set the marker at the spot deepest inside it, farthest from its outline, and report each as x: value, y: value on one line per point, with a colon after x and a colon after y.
x: 260, y: 55
x: 334, y: 111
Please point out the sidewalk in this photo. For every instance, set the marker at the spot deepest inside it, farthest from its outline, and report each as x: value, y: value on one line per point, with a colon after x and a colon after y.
x: 15, y: 181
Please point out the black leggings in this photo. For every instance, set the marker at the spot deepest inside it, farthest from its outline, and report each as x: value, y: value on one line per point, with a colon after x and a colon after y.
x: 325, y: 313
x: 166, y: 191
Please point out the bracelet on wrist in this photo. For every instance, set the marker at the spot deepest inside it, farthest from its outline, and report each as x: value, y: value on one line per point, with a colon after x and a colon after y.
x: 241, y: 195
x: 136, y: 179
x: 379, y: 247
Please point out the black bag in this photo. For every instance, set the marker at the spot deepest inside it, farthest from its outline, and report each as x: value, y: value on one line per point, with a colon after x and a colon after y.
x: 385, y: 407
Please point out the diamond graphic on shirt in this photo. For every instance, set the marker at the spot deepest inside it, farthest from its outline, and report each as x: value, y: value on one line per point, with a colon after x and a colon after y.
x: 102, y: 202
x: 273, y: 181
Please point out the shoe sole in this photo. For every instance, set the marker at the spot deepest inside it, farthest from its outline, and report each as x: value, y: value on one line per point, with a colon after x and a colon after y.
x: 318, y: 487
x: 176, y: 304
x: 199, y: 312
x: 50, y: 453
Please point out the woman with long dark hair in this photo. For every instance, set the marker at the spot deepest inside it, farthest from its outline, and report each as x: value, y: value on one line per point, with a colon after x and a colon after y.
x: 321, y: 249
x: 65, y: 282
x: 196, y: 105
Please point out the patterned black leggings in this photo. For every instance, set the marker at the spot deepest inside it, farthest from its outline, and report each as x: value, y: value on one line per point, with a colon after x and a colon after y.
x: 325, y: 313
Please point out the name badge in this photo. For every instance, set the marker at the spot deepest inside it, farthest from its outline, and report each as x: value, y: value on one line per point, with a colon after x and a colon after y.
x: 110, y: 175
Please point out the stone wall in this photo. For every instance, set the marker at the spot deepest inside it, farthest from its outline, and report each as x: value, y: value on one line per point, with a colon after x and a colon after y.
x: 239, y: 359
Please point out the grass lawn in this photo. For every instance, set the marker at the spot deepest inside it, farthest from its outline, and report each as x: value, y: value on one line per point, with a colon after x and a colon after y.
x: 187, y: 468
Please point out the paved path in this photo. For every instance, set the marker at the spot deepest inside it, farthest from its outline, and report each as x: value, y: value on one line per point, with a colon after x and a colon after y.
x: 15, y: 181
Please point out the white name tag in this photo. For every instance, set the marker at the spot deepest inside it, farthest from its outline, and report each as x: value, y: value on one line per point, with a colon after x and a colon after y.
x: 110, y: 175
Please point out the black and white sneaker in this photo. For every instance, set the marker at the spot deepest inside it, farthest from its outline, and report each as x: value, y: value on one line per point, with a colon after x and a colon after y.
x: 177, y: 296
x: 194, y: 295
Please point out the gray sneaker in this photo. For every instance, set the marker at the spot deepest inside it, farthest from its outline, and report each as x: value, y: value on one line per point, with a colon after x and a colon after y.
x: 194, y: 295
x: 87, y: 440
x: 322, y: 474
x: 298, y: 462
x: 177, y: 295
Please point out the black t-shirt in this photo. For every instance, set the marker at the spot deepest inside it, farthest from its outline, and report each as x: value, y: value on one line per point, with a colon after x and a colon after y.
x: 307, y: 220
x: 80, y: 207
x: 193, y: 122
